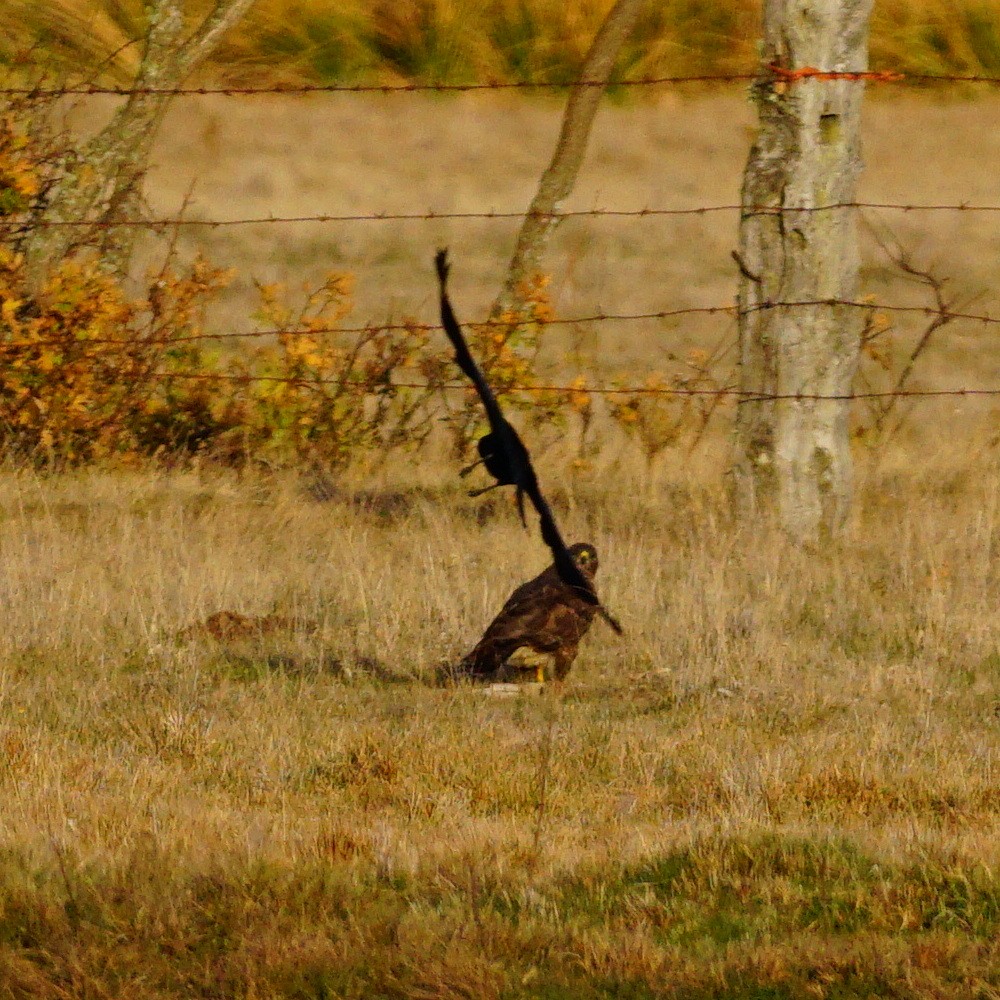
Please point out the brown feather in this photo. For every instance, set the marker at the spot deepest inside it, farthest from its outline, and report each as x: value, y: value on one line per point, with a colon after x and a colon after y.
x: 545, y: 614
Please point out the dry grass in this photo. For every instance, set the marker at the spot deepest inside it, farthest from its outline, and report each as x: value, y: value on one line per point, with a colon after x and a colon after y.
x: 782, y: 780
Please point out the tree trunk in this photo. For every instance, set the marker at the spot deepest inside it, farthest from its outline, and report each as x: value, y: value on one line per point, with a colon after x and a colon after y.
x: 792, y: 455
x: 560, y: 175
x: 101, y: 184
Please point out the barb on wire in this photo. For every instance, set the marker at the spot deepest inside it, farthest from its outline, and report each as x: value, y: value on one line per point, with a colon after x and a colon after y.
x: 431, y: 215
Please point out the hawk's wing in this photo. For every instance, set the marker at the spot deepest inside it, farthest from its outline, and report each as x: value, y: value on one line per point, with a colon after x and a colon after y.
x: 526, y: 619
x: 465, y: 361
x: 527, y: 610
x: 516, y: 467
x: 507, y: 460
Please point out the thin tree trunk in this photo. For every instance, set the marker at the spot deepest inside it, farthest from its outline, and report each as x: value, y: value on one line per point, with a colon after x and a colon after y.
x: 101, y: 184
x: 792, y: 456
x: 560, y: 175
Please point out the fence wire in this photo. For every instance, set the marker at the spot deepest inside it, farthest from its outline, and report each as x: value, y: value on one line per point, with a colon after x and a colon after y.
x: 431, y: 215
x: 984, y: 319
x: 742, y: 396
x: 772, y: 73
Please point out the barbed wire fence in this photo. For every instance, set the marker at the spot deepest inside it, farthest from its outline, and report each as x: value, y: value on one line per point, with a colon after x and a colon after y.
x: 776, y: 75
x: 774, y: 72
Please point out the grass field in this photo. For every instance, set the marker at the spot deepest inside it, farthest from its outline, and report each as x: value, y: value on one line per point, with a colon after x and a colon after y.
x: 781, y: 783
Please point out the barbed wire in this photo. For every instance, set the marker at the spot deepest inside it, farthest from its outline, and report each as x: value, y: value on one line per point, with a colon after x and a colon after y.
x: 985, y: 319
x: 432, y: 215
x: 741, y: 395
x: 770, y: 72
x: 414, y: 327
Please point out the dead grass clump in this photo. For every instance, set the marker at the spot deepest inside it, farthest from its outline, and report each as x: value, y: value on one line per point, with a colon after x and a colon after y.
x: 227, y: 626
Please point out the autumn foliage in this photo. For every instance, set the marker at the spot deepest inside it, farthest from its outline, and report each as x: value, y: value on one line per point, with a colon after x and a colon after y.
x: 91, y: 373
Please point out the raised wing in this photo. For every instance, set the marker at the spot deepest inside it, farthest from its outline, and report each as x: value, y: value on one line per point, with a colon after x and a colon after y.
x: 511, y: 463
x: 502, y: 451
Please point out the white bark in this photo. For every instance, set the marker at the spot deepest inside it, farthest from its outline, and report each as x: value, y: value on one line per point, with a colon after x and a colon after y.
x: 793, y: 455
x: 101, y: 183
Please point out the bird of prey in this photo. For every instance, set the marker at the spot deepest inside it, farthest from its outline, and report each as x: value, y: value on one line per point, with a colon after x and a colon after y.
x: 507, y: 459
x: 545, y: 615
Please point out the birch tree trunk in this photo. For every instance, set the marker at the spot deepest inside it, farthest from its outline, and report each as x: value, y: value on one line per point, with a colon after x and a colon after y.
x: 101, y: 182
x: 560, y: 176
x: 792, y: 455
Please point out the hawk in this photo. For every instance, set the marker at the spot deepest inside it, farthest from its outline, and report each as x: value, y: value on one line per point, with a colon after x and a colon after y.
x: 546, y: 615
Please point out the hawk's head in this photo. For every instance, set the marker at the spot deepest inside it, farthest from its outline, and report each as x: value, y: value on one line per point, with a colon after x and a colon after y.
x: 585, y: 556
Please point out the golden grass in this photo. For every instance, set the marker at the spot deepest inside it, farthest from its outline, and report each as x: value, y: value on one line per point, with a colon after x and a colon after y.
x: 458, y: 40
x: 781, y: 779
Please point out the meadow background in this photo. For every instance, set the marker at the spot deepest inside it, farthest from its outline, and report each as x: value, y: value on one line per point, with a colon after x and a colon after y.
x: 781, y: 783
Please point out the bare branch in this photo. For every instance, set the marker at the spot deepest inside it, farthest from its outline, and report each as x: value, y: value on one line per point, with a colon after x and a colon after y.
x: 560, y: 176
x: 227, y: 14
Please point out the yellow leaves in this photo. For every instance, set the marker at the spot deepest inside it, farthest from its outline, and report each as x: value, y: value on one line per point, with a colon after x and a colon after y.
x: 336, y: 393
x: 876, y: 340
x: 20, y: 181
x: 46, y: 360
x: 670, y: 411
x: 79, y: 378
x: 9, y: 308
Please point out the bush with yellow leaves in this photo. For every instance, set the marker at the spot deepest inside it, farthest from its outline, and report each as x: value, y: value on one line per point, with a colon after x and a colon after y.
x: 88, y: 373
x: 324, y: 394
x: 675, y: 411
x: 91, y: 374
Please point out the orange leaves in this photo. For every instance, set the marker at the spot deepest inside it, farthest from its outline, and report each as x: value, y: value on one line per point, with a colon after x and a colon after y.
x: 675, y: 410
